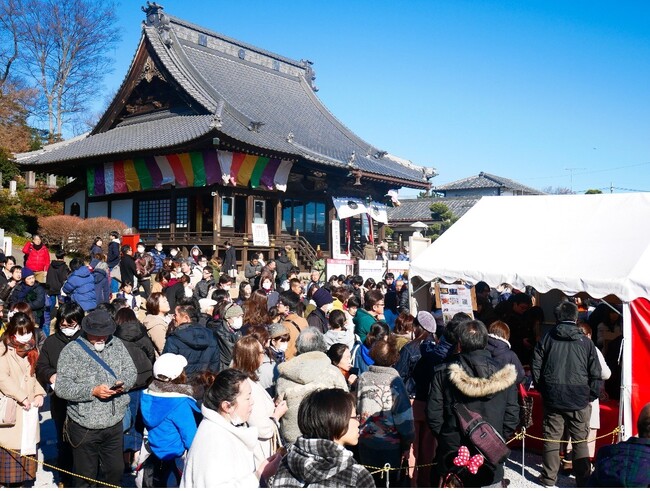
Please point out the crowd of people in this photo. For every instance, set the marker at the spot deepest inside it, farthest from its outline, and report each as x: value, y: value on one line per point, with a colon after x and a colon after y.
x: 153, y: 366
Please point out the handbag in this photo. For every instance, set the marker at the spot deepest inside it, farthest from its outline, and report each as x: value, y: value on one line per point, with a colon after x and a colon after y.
x: 482, y: 435
x: 8, y: 407
x: 525, y: 408
x: 116, y: 273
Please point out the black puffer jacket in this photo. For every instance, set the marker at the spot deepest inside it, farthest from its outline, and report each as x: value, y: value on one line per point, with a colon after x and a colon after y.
x: 197, y: 344
x: 566, y: 369
x: 57, y: 273
x: 226, y: 339
x: 484, y: 386
x: 141, y: 349
x: 500, y: 350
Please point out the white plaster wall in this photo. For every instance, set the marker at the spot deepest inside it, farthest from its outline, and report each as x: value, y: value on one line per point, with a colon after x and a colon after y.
x: 79, y: 197
x: 98, y: 209
x: 122, y: 209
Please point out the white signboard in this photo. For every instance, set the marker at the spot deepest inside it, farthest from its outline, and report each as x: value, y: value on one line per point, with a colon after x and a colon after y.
x: 336, y: 241
x: 260, y: 234
x: 454, y: 299
x: 398, y: 268
x: 371, y: 269
x: 340, y: 266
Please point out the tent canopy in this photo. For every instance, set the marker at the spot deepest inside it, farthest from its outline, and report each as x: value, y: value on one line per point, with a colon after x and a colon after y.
x: 599, y: 244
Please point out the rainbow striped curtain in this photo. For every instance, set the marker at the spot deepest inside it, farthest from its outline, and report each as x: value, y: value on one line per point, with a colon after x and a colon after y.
x: 193, y: 169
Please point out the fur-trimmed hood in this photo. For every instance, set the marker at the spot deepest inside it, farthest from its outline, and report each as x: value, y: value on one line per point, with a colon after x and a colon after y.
x: 472, y: 386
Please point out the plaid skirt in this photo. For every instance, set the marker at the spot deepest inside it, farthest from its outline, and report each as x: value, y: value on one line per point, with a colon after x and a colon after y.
x: 15, y: 469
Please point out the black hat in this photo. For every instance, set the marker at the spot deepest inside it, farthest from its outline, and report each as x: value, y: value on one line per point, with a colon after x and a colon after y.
x: 98, y: 323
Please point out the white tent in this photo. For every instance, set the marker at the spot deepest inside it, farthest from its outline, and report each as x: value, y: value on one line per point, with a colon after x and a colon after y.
x: 599, y: 244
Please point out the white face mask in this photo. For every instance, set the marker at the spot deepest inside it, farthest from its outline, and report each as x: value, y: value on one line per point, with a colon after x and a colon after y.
x: 69, y: 331
x: 99, y: 346
x: 24, y: 338
x: 140, y: 250
x: 237, y: 322
x: 266, y: 285
x: 188, y: 292
x: 283, y: 347
x: 159, y: 248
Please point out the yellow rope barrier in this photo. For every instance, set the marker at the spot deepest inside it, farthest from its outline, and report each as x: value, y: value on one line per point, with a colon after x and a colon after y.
x: 517, y: 436
x: 105, y: 484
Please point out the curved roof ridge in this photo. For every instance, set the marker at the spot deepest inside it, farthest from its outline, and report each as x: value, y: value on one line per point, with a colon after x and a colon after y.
x: 195, y: 27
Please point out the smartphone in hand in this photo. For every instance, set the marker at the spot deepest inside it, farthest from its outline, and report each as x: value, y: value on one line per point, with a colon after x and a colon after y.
x: 117, y: 385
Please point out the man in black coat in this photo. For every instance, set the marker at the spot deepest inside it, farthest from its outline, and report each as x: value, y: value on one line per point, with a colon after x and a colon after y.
x: 474, y: 379
x: 566, y: 371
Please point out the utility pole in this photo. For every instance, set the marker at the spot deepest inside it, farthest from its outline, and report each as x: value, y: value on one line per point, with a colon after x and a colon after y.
x: 571, y: 169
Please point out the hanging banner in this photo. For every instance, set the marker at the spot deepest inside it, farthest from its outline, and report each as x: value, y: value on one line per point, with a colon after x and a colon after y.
x: 378, y: 212
x: 193, y: 169
x: 349, y: 207
x: 336, y: 240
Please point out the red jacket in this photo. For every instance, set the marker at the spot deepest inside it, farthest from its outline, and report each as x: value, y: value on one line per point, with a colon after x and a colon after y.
x: 37, y: 259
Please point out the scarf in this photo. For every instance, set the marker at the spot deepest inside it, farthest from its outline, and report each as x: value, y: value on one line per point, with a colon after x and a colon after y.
x: 27, y: 349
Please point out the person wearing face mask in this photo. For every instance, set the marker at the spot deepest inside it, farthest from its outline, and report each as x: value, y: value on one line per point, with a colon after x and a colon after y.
x: 279, y: 336
x: 324, y: 302
x: 267, y: 284
x: 32, y: 293
x: 228, y: 330
x: 67, y: 329
x: 196, y: 343
x: 18, y: 355
x: 95, y: 372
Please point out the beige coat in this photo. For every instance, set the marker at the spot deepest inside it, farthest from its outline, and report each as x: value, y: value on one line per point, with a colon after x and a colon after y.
x: 16, y: 382
x: 290, y: 322
x: 156, y: 326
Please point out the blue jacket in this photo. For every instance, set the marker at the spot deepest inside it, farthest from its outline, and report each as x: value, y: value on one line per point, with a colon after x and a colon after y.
x: 197, y: 344
x: 169, y: 419
x: 102, y: 287
x: 158, y: 258
x: 81, y: 288
x: 361, y: 358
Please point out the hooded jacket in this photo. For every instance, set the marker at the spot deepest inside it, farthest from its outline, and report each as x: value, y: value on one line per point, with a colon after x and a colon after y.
x: 484, y: 386
x: 141, y: 349
x: 283, y: 265
x: 229, y: 260
x: 226, y: 465
x: 501, y: 351
x: 319, y: 463
x: 34, y: 296
x: 113, y: 258
x: 169, y: 412
x: 566, y: 369
x: 363, y: 321
x: 344, y: 337
x: 197, y: 344
x: 102, y: 286
x: 56, y: 276
x: 81, y: 288
x: 300, y: 376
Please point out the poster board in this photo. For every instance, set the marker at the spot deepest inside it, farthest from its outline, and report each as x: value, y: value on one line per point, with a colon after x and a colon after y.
x: 398, y: 268
x: 371, y: 269
x: 260, y: 234
x: 455, y: 298
x: 417, y: 245
x: 339, y: 266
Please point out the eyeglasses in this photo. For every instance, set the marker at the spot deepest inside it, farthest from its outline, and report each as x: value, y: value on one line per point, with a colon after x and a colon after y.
x: 356, y: 417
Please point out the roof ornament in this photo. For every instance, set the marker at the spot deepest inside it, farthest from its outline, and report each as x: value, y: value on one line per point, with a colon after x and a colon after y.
x: 217, y: 120
x: 290, y: 137
x: 380, y: 154
x: 351, y: 159
x: 157, y: 19
x: 255, y: 126
x: 310, y: 74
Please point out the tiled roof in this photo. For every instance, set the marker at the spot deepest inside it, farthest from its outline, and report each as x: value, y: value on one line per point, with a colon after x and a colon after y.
x: 485, y: 180
x: 258, y: 98
x: 161, y: 133
x: 413, y: 210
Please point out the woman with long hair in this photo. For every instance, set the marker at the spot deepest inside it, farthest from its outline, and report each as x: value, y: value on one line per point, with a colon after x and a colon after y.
x: 157, y: 320
x: 255, y: 310
x: 265, y: 416
x: 245, y: 291
x: 18, y: 357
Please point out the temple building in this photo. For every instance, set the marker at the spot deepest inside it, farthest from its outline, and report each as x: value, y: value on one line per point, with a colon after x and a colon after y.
x: 210, y: 139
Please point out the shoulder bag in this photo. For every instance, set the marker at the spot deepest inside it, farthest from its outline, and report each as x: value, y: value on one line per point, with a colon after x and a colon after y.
x: 482, y: 435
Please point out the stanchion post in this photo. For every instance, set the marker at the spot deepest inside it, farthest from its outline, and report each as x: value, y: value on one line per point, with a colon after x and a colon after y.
x: 523, y: 451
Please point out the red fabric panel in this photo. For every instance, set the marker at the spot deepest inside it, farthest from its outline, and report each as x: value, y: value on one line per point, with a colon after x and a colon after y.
x: 640, y: 314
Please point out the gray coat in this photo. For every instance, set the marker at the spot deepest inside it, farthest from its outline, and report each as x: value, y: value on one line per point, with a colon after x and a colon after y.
x: 78, y: 374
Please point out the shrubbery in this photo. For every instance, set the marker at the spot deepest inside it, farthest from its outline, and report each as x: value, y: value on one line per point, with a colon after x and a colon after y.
x: 19, y: 213
x: 75, y: 235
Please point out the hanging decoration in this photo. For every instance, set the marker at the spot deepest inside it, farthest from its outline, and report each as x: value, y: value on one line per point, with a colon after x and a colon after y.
x: 193, y: 169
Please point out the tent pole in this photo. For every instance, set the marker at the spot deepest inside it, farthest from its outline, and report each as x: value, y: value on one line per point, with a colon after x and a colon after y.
x: 420, y: 287
x: 625, y: 401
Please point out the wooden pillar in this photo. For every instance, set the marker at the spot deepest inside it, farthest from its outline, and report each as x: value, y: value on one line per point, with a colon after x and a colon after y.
x: 248, y: 226
x: 277, y: 226
x: 331, y: 216
x: 216, y: 220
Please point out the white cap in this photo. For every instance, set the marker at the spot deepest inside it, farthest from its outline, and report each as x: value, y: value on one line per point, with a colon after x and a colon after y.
x: 169, y: 366
x: 206, y: 303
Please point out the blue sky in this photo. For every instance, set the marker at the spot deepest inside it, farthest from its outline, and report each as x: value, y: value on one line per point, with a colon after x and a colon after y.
x: 535, y: 91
